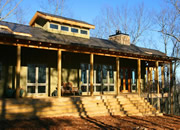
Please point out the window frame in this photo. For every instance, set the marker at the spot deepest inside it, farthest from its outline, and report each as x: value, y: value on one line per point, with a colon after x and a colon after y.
x: 84, y: 31
x: 65, y: 27
x: 74, y: 29
x: 36, y: 84
x: 53, y: 25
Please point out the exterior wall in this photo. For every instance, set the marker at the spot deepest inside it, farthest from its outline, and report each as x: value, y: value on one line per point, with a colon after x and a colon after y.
x: 23, y: 77
x: 53, y: 80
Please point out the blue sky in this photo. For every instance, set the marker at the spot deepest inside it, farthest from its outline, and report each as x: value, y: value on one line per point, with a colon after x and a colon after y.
x: 87, y: 10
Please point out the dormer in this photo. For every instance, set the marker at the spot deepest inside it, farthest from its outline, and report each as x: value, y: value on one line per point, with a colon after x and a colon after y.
x: 61, y: 25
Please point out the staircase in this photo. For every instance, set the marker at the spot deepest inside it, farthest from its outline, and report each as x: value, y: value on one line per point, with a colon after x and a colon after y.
x: 122, y: 105
x: 143, y: 105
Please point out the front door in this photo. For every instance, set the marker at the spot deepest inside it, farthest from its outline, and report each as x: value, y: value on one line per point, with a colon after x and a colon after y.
x: 36, y: 80
x: 125, y: 75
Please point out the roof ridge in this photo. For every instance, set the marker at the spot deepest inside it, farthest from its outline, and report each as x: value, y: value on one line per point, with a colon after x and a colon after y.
x: 63, y: 17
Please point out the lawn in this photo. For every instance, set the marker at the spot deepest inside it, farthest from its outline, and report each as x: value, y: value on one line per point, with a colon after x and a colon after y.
x: 93, y: 123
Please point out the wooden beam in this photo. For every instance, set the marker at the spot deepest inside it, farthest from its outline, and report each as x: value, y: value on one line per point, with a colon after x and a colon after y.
x: 157, y: 77
x: 18, y: 67
x: 59, y: 68
x: 84, y: 52
x: 117, y: 75
x: 139, y: 76
x: 171, y: 87
x: 157, y: 83
x: 149, y: 79
x: 162, y: 76
x: 91, y: 73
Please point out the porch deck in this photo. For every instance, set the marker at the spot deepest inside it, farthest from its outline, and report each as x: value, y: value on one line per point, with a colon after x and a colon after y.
x: 123, y: 105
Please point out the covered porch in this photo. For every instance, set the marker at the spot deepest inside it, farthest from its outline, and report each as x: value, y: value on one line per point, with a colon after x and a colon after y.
x: 39, y: 70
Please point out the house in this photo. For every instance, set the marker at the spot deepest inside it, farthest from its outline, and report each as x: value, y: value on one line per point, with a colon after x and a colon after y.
x: 53, y: 50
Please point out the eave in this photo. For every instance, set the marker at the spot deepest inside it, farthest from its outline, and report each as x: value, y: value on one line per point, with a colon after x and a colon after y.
x: 14, y: 41
x: 60, y: 20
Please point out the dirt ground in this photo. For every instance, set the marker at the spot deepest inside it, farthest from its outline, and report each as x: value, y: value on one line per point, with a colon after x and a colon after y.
x: 93, y: 123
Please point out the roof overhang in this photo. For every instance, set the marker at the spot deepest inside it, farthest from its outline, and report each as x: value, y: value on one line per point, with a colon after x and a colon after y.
x: 33, y: 43
x: 60, y: 20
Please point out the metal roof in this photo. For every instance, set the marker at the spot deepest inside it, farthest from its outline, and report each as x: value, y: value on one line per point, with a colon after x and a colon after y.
x: 41, y: 35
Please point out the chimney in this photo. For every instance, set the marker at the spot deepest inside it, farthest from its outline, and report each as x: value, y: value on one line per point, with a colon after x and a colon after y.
x: 120, y: 38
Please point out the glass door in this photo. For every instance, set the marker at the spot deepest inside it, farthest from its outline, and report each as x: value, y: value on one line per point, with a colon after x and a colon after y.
x: 103, y: 78
x: 36, y: 80
x: 125, y: 78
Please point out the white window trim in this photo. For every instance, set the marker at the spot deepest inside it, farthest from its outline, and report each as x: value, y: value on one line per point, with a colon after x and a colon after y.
x: 36, y: 84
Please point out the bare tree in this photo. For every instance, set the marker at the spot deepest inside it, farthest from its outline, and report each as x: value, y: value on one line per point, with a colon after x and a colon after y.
x: 168, y: 21
x: 171, y: 25
x: 7, y: 7
x: 57, y: 7
x: 134, y: 21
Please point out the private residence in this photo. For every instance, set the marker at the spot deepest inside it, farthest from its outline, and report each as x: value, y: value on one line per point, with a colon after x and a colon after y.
x: 54, y: 52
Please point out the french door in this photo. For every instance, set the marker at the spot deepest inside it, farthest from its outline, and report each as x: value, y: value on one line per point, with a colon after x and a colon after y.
x: 103, y: 79
x: 36, y: 80
x: 128, y: 79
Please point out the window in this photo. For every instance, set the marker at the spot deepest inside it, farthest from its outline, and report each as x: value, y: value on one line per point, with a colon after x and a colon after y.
x: 36, y: 79
x: 0, y: 71
x: 53, y: 26
x: 64, y: 28
x: 84, y: 32
x: 74, y: 30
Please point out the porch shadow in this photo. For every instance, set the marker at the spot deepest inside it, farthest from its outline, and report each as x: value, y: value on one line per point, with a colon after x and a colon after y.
x: 84, y: 115
x: 23, y: 108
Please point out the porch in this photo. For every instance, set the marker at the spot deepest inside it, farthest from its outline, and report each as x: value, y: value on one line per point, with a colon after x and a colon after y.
x: 40, y: 71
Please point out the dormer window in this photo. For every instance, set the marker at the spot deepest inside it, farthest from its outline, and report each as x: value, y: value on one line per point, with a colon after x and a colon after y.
x: 64, y: 28
x: 61, y: 25
x: 84, y: 32
x: 53, y: 26
x: 74, y: 30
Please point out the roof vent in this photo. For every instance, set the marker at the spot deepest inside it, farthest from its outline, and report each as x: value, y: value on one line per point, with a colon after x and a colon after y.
x: 120, y: 38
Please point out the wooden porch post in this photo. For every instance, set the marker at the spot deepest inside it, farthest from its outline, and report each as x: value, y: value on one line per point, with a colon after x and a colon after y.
x: 18, y: 67
x: 59, y: 72
x: 117, y: 75
x: 91, y: 72
x: 162, y: 76
x: 171, y: 88
x: 139, y: 76
x: 148, y: 78
x: 157, y: 83
x: 157, y: 77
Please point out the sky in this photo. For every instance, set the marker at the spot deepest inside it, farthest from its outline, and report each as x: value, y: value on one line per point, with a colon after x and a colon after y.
x: 87, y: 10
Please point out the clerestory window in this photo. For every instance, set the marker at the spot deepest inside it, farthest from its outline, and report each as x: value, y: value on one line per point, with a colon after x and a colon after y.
x: 53, y: 26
